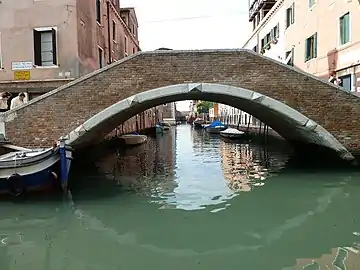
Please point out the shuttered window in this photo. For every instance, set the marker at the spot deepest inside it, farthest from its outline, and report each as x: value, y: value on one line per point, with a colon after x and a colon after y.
x: 45, y: 50
x: 311, y: 47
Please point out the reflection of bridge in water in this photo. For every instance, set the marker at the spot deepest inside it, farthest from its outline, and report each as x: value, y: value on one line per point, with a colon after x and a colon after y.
x: 291, y: 217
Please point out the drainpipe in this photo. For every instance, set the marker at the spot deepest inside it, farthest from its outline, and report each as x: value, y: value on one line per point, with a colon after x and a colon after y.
x: 109, y: 37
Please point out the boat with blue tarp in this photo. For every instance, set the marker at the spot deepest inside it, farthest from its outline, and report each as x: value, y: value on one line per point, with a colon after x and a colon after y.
x: 215, y: 127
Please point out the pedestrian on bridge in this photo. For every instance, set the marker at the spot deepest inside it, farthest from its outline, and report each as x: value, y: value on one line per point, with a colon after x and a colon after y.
x: 4, y: 101
x: 18, y: 101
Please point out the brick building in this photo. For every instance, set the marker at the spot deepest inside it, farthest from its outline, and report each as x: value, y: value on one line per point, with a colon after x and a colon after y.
x: 61, y: 40
x: 45, y: 44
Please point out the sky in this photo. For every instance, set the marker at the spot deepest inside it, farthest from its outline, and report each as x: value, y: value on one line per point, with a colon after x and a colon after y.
x: 191, y: 24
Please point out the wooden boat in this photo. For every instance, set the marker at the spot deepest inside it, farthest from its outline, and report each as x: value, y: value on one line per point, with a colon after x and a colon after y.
x: 29, y: 170
x: 134, y: 139
x: 231, y: 133
x: 215, y: 127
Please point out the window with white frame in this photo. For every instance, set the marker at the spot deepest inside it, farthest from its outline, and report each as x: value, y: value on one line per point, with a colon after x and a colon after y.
x: 311, y: 47
x: 290, y: 15
x: 311, y: 3
x: 45, y: 47
x: 289, y: 57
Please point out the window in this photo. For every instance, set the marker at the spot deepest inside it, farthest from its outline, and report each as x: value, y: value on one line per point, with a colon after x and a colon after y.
x: 345, y: 29
x: 45, y: 47
x: 101, y: 57
x: 134, y: 51
x: 276, y: 32
x: 290, y: 15
x: 311, y: 47
x: 289, y: 57
x: 114, y: 30
x: 346, y: 82
x: 311, y: 3
x: 98, y: 11
x: 125, y: 45
x: 255, y: 49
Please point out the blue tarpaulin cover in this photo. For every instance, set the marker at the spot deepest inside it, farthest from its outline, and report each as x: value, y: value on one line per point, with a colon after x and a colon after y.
x: 216, y: 123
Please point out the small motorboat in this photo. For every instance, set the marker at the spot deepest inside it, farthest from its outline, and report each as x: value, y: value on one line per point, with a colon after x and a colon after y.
x: 215, y: 127
x: 159, y: 129
x: 198, y: 122
x: 231, y: 133
x: 165, y: 126
x: 133, y: 139
x: 26, y: 170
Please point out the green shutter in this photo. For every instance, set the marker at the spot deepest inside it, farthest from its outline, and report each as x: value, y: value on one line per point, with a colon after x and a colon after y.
x: 306, y: 49
x: 293, y: 13
x: 342, y: 36
x: 347, y: 28
x: 315, y: 45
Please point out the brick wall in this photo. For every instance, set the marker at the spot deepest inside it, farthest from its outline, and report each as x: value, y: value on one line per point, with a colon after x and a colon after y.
x: 64, y: 110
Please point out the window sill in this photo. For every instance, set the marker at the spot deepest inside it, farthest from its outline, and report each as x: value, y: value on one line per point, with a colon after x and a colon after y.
x: 114, y: 41
x: 99, y: 24
x: 344, y: 46
x: 312, y: 7
x: 288, y: 27
x: 310, y: 60
x: 44, y: 67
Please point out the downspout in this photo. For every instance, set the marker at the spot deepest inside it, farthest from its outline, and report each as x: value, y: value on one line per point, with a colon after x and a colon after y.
x: 109, y: 37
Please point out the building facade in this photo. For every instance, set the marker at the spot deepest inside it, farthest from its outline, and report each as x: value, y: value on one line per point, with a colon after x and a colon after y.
x: 49, y: 43
x: 169, y: 113
x: 324, y: 38
x: 319, y: 37
x: 62, y: 40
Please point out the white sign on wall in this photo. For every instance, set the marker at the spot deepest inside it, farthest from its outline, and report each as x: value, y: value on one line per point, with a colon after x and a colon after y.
x: 23, y: 65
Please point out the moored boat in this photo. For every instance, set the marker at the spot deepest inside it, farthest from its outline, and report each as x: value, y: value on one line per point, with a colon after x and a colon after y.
x: 198, y: 122
x: 231, y: 133
x: 27, y: 170
x: 215, y: 127
x: 165, y: 126
x: 134, y: 139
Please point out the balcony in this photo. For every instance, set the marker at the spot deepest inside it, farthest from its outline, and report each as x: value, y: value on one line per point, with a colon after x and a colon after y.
x: 259, y: 5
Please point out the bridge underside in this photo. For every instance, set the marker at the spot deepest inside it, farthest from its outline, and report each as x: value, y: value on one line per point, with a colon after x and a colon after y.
x: 293, y: 126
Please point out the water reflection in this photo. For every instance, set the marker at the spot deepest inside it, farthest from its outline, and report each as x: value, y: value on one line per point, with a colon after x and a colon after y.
x: 131, y: 212
x: 246, y: 167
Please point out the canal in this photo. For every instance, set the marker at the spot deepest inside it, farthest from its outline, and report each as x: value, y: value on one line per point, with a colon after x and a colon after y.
x: 188, y: 200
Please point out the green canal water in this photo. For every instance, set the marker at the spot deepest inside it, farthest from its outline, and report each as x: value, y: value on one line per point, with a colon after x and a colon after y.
x: 189, y: 200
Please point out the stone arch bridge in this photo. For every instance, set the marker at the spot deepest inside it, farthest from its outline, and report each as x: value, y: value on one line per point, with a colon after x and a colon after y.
x: 301, y: 108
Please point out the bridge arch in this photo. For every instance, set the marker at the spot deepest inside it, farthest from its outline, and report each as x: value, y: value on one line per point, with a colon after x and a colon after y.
x: 292, y: 125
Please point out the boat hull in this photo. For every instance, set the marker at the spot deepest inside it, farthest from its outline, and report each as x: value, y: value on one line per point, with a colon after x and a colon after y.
x: 213, y: 130
x: 134, y: 139
x: 231, y: 136
x: 37, y: 176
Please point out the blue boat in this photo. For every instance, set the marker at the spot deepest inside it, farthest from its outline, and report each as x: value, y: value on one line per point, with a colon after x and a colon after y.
x: 27, y: 170
x: 215, y: 127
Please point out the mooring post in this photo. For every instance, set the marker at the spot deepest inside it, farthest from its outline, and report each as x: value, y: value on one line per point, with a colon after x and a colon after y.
x: 63, y: 164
